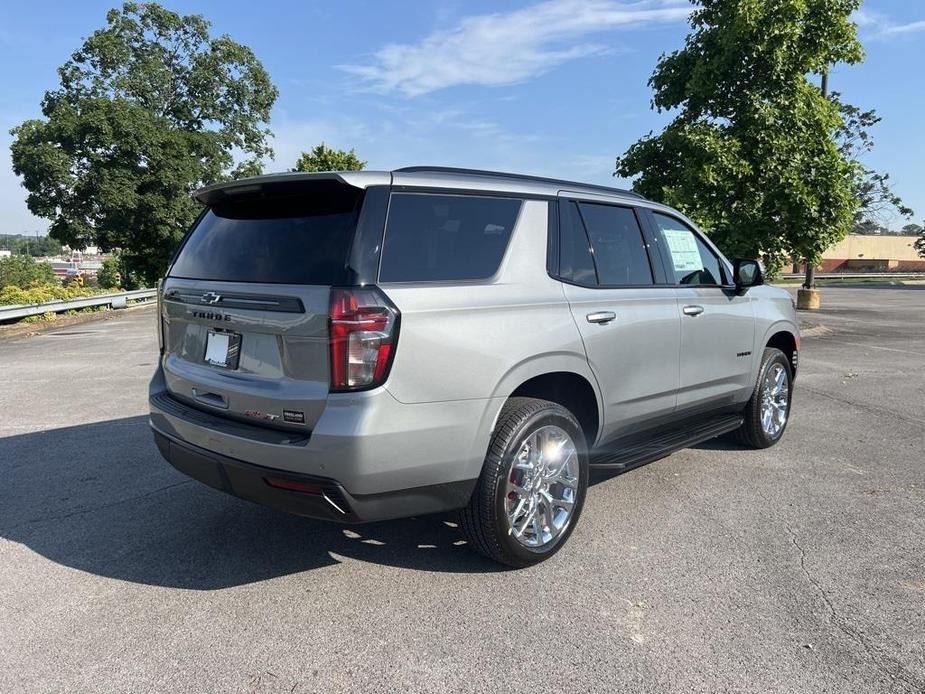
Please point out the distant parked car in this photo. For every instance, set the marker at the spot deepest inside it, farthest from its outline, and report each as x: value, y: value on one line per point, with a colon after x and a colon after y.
x: 370, y: 345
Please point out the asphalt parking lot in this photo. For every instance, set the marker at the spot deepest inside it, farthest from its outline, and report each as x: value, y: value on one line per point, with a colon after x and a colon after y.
x: 797, y: 569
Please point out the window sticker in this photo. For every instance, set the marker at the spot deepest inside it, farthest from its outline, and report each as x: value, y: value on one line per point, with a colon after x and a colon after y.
x: 683, y: 247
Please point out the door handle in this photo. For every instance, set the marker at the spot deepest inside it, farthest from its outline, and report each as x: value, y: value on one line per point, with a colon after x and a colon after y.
x: 601, y: 317
x: 692, y: 310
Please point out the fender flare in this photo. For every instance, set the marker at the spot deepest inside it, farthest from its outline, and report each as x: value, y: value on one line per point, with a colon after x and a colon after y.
x: 781, y: 326
x: 556, y: 362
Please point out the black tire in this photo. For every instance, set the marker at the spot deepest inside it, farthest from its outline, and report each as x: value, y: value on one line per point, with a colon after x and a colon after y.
x: 752, y: 433
x: 484, y: 521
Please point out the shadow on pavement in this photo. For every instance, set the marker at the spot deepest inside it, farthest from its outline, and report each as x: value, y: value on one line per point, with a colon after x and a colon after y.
x: 723, y: 443
x: 99, y: 498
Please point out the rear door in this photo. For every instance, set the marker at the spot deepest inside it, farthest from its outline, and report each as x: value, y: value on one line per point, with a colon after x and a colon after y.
x: 245, y: 303
x: 717, y: 326
x: 628, y: 322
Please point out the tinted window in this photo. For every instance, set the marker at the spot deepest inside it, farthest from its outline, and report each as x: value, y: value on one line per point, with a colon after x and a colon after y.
x: 301, y: 239
x: 692, y: 261
x: 445, y: 237
x: 619, y: 251
x: 575, y: 262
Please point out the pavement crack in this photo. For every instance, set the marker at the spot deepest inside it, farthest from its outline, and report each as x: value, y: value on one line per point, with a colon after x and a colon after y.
x: 874, y: 409
x: 101, y: 507
x: 888, y: 665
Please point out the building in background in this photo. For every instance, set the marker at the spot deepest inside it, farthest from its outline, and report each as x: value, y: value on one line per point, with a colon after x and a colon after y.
x: 75, y: 265
x: 857, y: 253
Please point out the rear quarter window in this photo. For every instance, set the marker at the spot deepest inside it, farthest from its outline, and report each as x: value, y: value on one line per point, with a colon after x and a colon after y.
x: 432, y: 237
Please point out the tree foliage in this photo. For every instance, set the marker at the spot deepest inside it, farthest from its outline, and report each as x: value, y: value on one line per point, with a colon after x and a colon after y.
x: 752, y: 155
x: 24, y: 272
x: 148, y: 109
x: 22, y: 244
x: 109, y: 276
x: 40, y: 293
x: 324, y: 158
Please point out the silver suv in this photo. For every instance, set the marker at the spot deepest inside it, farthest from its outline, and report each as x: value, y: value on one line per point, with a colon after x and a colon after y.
x: 369, y: 345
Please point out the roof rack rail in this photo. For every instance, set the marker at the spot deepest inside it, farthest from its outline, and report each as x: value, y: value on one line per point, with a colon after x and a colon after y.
x: 523, y: 177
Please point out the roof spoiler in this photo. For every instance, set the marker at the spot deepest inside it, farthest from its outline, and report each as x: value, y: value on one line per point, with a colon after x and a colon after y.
x: 210, y: 195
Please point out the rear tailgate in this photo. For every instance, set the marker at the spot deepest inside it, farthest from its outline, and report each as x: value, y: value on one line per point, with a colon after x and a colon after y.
x: 280, y: 373
x: 245, y: 304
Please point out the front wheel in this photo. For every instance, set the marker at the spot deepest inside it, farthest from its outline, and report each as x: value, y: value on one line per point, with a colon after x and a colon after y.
x: 768, y: 410
x: 532, y: 487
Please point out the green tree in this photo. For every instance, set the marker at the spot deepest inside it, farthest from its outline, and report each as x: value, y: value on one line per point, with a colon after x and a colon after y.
x: 109, y: 276
x: 35, y: 246
x: 752, y: 155
x: 324, y: 158
x: 148, y: 109
x: 912, y: 230
x: 24, y: 272
x: 868, y: 227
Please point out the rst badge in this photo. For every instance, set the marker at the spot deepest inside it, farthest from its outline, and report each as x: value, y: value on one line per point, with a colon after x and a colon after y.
x: 257, y: 414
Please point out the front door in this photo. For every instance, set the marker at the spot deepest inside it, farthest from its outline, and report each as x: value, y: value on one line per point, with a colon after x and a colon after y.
x: 717, y: 327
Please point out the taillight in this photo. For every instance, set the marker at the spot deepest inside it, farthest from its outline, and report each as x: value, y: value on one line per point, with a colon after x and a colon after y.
x: 363, y: 332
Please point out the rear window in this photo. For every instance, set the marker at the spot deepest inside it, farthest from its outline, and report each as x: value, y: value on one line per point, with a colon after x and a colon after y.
x: 619, y: 250
x: 445, y: 237
x: 294, y: 239
x: 575, y: 262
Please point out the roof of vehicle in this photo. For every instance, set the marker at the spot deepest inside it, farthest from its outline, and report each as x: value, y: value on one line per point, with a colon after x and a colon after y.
x: 421, y: 177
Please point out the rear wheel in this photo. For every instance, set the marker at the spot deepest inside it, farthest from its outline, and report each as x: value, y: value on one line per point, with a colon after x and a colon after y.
x: 532, y: 487
x: 768, y: 410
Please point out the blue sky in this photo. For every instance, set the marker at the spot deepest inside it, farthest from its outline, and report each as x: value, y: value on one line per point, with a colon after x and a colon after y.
x: 554, y: 88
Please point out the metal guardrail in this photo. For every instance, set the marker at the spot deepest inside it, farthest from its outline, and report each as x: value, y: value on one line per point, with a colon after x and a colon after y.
x: 118, y: 300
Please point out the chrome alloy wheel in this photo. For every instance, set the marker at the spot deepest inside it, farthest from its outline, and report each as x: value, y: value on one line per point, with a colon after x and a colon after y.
x: 775, y: 399
x: 542, y: 487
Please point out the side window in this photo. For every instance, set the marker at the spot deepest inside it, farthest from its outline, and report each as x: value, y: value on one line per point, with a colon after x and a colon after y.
x: 692, y: 261
x: 619, y: 250
x: 445, y: 237
x: 575, y: 262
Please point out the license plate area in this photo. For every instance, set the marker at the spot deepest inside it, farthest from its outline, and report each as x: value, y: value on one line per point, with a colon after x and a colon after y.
x: 223, y: 349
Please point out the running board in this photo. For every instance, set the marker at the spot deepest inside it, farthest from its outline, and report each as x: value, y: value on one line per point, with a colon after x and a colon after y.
x: 617, y: 456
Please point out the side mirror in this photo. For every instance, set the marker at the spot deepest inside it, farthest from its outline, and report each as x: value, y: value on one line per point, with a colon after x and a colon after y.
x: 746, y: 273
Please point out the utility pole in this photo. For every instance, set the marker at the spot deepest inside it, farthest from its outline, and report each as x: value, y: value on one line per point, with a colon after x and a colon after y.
x: 808, y: 297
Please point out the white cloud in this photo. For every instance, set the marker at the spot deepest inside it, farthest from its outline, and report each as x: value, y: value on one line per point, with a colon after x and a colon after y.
x: 894, y: 29
x: 882, y: 27
x: 508, y: 47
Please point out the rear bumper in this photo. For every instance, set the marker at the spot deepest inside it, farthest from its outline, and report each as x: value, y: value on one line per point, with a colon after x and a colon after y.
x: 330, y: 502
x: 374, y: 457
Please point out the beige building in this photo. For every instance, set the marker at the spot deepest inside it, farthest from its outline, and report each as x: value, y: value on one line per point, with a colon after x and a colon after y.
x: 885, y: 253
